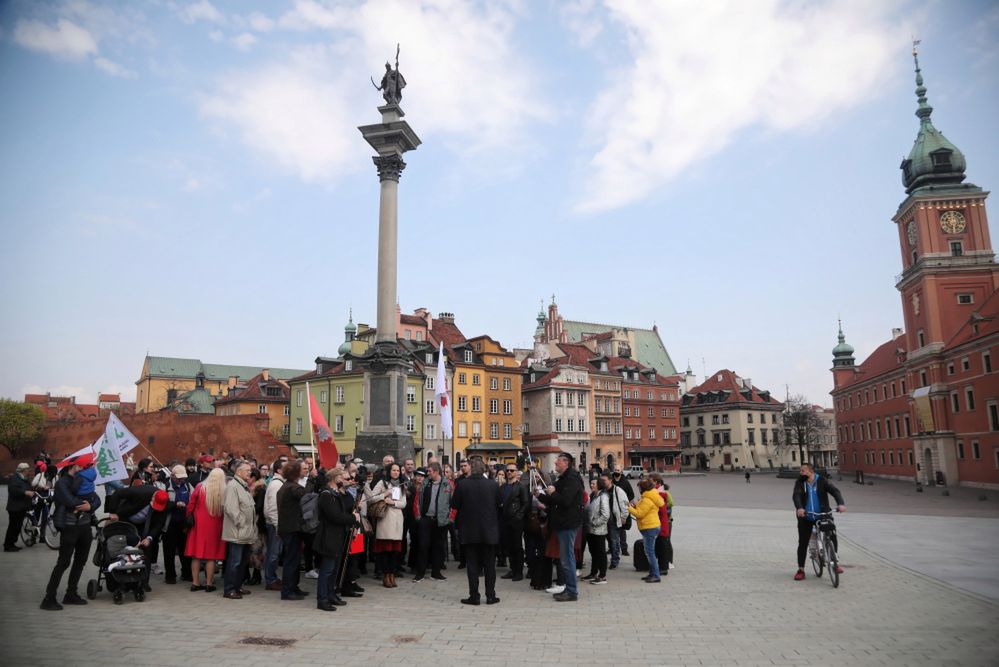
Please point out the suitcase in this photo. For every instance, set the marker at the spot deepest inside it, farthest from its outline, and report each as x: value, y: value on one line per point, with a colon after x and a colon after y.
x: 638, y: 555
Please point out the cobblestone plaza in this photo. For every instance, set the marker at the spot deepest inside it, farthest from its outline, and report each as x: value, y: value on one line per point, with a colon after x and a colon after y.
x: 920, y: 588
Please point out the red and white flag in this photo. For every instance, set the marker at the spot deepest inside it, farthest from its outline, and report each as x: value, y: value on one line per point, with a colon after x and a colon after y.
x: 329, y: 457
x: 440, y: 393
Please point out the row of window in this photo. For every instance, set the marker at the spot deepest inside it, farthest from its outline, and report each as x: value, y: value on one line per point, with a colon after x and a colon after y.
x: 570, y: 425
x: 637, y: 412
x: 871, y: 430
x: 650, y: 395
x: 879, y: 394
x: 605, y: 404
x: 887, y: 458
x: 725, y: 437
x: 724, y: 419
x: 607, y: 427
x: 966, y: 364
x: 477, y: 380
x: 494, y: 429
x: 570, y: 398
x: 668, y: 433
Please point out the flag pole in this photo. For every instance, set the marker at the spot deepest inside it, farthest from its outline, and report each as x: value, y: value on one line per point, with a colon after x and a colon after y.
x: 312, y: 435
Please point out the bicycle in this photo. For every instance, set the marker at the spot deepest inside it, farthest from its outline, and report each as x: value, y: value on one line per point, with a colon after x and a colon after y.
x: 38, y: 525
x: 821, y: 548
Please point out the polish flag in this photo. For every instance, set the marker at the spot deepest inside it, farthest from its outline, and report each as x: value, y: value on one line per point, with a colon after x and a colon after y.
x: 440, y: 393
x: 322, y: 436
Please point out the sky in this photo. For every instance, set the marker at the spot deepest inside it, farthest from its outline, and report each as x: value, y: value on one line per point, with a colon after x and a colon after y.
x: 186, y: 178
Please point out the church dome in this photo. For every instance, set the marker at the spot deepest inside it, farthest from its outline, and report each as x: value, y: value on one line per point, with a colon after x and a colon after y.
x: 933, y: 160
x: 843, y: 352
x: 344, y: 348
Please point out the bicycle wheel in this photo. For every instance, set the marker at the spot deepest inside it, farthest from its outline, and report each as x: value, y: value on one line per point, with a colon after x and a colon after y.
x: 28, y: 535
x: 50, y: 534
x: 817, y: 555
x: 832, y: 562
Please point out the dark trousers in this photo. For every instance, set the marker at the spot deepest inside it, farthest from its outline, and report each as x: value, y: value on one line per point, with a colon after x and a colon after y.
x: 598, y: 554
x: 13, y: 528
x: 237, y: 559
x: 329, y: 570
x: 664, y: 554
x: 533, y: 554
x: 430, y: 539
x: 410, y: 541
x: 804, y: 537
x: 74, y: 546
x: 622, y: 537
x: 513, y: 542
x: 174, y: 541
x: 291, y: 552
x: 308, y: 556
x: 481, y: 558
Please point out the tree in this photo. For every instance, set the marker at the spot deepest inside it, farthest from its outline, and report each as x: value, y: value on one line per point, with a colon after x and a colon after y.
x: 802, y: 425
x: 20, y: 424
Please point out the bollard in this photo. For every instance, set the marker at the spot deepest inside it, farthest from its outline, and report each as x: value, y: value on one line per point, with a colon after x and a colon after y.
x: 945, y: 492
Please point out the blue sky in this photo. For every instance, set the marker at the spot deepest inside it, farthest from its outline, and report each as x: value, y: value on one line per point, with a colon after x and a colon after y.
x: 185, y: 178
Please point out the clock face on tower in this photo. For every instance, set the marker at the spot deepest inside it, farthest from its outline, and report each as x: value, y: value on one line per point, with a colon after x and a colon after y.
x: 911, y: 233
x: 952, y: 222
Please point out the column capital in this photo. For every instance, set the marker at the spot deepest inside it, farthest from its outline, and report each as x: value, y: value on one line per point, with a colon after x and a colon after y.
x: 389, y: 166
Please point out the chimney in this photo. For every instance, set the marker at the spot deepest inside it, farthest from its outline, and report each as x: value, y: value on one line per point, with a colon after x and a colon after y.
x: 447, y: 318
x: 265, y: 374
x: 233, y: 379
x: 896, y: 332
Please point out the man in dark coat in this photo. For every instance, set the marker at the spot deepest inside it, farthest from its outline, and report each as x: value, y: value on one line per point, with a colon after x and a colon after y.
x: 477, y: 502
x: 19, y: 495
x: 514, y: 503
x: 564, y: 501
x: 336, y: 519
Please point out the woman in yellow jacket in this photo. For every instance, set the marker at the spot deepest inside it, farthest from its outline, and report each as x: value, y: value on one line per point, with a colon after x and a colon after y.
x: 646, y: 511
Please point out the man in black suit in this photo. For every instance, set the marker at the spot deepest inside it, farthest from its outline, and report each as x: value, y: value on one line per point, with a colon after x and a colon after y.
x: 477, y: 502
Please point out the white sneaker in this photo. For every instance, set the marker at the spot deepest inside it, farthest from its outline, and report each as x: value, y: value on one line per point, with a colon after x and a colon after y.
x: 671, y: 566
x: 155, y: 569
x: 312, y: 574
x: 579, y: 572
x: 554, y: 590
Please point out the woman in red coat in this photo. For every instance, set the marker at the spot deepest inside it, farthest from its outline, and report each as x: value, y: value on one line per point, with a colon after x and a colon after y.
x: 204, y: 540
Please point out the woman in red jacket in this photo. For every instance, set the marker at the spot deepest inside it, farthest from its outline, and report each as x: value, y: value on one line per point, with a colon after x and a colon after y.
x: 664, y: 546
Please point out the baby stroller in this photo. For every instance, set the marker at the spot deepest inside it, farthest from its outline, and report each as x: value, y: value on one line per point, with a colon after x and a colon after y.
x: 121, y: 566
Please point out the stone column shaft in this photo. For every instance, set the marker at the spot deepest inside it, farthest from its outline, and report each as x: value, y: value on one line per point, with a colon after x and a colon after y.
x: 388, y: 251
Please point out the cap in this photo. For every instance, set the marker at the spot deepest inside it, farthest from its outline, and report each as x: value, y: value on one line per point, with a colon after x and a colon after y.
x: 160, y: 499
x: 22, y: 466
x: 179, y: 471
x: 421, y: 471
x: 207, y: 458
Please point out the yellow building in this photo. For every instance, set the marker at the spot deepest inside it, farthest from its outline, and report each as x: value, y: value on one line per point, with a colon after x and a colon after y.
x: 164, y: 379
x: 487, y: 402
x: 262, y: 395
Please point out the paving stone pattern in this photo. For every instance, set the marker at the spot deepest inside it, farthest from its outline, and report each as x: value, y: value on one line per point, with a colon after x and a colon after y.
x: 730, y: 601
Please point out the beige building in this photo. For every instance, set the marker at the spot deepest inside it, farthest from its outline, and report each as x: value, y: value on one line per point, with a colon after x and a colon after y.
x: 558, y: 404
x: 728, y: 424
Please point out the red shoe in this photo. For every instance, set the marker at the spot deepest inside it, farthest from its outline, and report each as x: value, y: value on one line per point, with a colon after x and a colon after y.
x: 799, y: 575
x: 839, y: 569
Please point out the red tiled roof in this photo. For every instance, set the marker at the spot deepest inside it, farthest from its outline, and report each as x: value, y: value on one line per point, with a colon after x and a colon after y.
x: 412, y: 319
x: 987, y: 318
x: 544, y: 379
x: 108, y: 398
x: 36, y: 399
x: 726, y: 380
x: 449, y: 334
x: 882, y: 360
x: 255, y: 390
x: 578, y: 355
x: 88, y: 411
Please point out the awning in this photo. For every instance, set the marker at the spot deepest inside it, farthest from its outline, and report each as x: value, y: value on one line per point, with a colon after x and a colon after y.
x: 655, y: 450
x: 493, y: 447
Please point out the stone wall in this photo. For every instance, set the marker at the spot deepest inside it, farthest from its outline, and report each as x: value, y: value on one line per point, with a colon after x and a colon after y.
x: 168, y: 435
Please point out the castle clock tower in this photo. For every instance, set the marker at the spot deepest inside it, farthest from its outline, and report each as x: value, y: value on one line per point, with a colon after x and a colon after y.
x: 948, y: 263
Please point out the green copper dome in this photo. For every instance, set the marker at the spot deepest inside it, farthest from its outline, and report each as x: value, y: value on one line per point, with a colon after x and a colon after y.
x: 843, y: 352
x: 933, y: 159
x: 348, y: 334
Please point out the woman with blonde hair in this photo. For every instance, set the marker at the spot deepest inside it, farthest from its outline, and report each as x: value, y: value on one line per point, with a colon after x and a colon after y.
x: 204, y: 537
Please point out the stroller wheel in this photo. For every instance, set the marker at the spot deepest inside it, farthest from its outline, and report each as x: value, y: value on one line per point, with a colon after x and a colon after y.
x: 117, y: 597
x: 92, y: 589
x: 140, y: 595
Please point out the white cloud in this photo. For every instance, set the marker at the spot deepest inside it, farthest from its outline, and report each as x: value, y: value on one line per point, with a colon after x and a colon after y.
x: 452, y: 52
x: 192, y: 185
x: 700, y: 74
x: 244, y: 41
x: 259, y: 22
x: 66, y: 39
x: 216, y: 35
x: 113, y: 68
x: 201, y: 11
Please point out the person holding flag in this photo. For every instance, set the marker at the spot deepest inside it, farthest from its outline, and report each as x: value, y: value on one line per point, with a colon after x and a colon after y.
x: 322, y: 435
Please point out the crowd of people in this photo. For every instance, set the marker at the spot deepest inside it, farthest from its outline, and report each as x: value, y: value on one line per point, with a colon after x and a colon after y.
x: 275, y: 524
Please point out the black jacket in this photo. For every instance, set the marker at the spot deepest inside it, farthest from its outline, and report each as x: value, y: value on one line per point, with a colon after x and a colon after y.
x: 289, y: 502
x: 625, y: 486
x: 130, y: 501
x: 823, y: 487
x: 565, y: 506
x: 516, y: 505
x: 66, y: 501
x: 335, y: 520
x: 16, y: 500
x: 477, y: 501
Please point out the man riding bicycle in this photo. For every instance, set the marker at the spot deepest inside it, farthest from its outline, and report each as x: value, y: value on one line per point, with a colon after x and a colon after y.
x: 811, y: 498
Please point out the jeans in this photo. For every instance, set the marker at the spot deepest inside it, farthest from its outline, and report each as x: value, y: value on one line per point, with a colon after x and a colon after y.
x: 273, y: 554
x: 614, y: 538
x: 326, y: 586
x: 235, y: 559
x: 74, y: 545
x: 567, y: 559
x: 291, y: 544
x: 649, y: 536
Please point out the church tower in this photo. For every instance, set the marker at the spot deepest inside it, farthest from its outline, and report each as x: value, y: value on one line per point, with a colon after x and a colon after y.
x: 948, y: 263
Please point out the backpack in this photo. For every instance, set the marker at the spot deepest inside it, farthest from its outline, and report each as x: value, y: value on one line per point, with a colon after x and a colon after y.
x: 310, y: 512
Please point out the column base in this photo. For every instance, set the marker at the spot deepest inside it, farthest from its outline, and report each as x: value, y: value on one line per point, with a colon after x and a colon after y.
x: 371, y: 447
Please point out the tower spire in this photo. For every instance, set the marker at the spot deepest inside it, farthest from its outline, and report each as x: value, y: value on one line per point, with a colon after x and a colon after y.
x: 924, y: 110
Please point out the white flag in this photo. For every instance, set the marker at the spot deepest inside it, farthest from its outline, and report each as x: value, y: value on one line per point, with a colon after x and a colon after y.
x: 109, y: 464
x: 118, y: 435
x: 440, y: 393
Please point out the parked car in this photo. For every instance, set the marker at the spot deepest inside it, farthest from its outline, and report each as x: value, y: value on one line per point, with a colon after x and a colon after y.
x: 633, y: 472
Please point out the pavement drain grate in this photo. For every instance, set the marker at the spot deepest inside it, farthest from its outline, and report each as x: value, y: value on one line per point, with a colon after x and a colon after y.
x: 267, y: 641
x: 405, y: 639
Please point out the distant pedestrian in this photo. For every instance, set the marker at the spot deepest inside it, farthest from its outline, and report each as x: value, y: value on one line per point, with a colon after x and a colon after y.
x: 747, y: 476
x: 19, y: 499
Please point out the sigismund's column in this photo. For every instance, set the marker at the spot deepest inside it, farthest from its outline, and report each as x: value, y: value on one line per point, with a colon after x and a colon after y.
x: 386, y: 363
